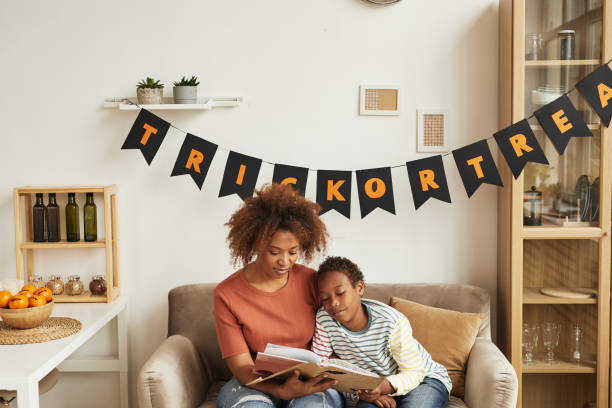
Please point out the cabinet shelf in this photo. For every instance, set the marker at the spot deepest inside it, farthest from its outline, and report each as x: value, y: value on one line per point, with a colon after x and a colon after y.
x: 558, y: 232
x: 63, y: 244
x: 532, y: 296
x: 561, y: 63
x: 561, y: 366
x: 84, y: 297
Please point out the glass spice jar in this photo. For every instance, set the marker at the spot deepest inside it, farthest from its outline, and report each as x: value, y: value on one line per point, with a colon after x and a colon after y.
x: 37, y: 281
x: 74, y: 286
x: 56, y: 284
x: 97, y: 286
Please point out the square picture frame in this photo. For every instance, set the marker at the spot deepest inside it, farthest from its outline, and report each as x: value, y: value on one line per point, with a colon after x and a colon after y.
x: 379, y: 99
x: 432, y: 130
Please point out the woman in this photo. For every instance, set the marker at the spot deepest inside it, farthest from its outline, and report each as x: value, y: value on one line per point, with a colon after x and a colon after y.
x: 271, y: 299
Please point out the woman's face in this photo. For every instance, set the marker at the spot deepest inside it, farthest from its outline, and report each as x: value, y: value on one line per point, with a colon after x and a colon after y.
x: 342, y: 300
x: 278, y: 257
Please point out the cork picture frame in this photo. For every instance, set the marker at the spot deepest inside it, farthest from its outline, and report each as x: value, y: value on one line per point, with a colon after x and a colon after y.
x: 379, y: 99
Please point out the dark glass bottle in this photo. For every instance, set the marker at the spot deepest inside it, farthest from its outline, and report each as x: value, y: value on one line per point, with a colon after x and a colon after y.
x: 89, y: 219
x: 39, y: 213
x: 53, y: 220
x: 72, y: 220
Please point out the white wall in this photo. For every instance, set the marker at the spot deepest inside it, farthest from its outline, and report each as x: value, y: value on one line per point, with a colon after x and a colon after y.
x: 299, y: 64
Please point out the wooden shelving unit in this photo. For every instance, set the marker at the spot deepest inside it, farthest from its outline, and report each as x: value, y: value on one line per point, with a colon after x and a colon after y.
x: 25, y: 247
x: 551, y: 255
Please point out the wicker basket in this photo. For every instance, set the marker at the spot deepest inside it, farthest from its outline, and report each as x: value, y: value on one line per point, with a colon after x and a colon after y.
x: 26, y: 318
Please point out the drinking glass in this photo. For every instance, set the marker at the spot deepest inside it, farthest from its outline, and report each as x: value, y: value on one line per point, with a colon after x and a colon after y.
x: 530, y: 341
x: 577, y: 334
x: 550, y: 338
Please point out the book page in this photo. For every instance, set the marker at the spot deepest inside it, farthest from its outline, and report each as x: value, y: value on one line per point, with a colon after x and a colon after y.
x: 334, y: 362
x: 292, y: 353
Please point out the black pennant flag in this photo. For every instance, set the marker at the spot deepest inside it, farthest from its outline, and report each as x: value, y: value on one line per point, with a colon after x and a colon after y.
x: 476, y: 166
x: 597, y: 89
x: 147, y: 134
x: 240, y: 175
x: 195, y: 158
x: 296, y: 176
x: 375, y: 190
x: 561, y: 121
x: 427, y: 179
x: 334, y: 191
x: 518, y: 144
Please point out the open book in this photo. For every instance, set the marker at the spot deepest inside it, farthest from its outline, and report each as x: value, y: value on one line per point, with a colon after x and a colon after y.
x: 280, y: 361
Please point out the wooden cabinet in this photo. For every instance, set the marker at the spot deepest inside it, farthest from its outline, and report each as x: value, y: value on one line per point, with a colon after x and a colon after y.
x: 107, y: 237
x: 571, y: 248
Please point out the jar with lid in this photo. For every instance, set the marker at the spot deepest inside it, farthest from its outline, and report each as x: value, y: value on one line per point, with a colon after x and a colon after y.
x: 37, y: 281
x: 97, y: 286
x: 74, y: 286
x: 56, y: 284
x: 533, y: 47
x: 532, y: 207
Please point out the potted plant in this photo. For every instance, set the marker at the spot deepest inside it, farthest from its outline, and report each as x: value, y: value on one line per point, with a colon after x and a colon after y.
x: 150, y: 91
x: 186, y: 90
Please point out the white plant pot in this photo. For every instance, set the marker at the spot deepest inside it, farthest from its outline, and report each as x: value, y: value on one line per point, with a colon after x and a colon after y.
x: 150, y: 96
x: 185, y: 94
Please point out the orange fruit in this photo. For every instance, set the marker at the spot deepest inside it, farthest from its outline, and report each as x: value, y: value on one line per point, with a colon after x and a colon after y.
x: 18, y: 302
x: 46, y: 293
x: 26, y: 293
x: 37, y: 300
x: 29, y: 287
x: 5, y: 295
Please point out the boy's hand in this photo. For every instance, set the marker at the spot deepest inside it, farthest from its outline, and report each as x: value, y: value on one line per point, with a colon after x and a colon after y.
x: 385, y: 401
x: 384, y: 388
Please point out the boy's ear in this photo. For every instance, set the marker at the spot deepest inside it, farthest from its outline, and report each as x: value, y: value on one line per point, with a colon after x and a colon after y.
x: 360, y: 287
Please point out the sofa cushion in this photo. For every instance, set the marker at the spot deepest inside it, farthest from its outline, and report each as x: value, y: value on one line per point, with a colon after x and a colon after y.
x: 447, y: 335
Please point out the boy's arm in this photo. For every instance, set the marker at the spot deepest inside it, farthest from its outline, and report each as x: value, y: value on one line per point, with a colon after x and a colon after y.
x: 405, y: 352
x: 321, y: 343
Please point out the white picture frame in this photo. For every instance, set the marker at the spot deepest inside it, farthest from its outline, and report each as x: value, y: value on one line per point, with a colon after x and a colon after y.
x: 384, y: 104
x: 444, y: 147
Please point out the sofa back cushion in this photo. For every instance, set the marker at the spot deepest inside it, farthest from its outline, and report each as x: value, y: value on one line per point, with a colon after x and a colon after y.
x: 191, y: 312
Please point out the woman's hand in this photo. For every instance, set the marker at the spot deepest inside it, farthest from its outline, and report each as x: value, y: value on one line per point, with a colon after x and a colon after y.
x: 293, y: 387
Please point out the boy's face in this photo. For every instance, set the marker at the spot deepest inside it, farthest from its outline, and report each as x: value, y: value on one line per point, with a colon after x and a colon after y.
x: 342, y: 300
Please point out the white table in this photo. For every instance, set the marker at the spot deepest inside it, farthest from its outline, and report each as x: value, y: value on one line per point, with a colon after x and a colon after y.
x: 26, y: 372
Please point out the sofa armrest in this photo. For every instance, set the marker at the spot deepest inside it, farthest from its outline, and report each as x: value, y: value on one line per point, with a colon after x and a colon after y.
x: 173, y: 376
x: 490, y: 379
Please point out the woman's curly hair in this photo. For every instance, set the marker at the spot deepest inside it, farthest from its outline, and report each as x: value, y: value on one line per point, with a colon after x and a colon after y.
x: 275, y: 207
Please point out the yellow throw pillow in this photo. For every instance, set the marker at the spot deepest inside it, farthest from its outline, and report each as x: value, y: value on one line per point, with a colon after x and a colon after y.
x: 446, y: 334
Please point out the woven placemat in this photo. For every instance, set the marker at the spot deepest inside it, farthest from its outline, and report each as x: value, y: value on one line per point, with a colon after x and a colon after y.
x: 53, y: 328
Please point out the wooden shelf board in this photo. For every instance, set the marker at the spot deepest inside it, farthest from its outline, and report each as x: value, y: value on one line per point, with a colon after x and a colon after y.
x: 551, y: 231
x: 51, y: 189
x: 561, y: 366
x: 203, y: 104
x: 532, y: 296
x: 559, y: 63
x: 63, y: 244
x: 84, y: 297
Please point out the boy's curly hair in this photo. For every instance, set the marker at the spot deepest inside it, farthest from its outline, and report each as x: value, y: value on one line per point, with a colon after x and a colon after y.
x: 275, y: 207
x: 341, y: 264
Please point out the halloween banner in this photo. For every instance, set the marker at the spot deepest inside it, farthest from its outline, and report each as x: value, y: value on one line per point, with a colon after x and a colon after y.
x: 296, y: 176
x: 597, y: 90
x: 240, y: 175
x: 427, y: 179
x: 476, y: 166
x: 334, y: 191
x: 561, y: 121
x: 518, y: 144
x: 375, y: 190
x: 147, y: 134
x: 194, y: 159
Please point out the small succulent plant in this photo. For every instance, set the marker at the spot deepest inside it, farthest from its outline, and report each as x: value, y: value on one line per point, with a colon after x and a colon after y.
x: 149, y: 83
x: 193, y: 81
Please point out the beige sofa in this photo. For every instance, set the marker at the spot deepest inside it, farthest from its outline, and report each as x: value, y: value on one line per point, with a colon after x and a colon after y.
x: 187, y: 371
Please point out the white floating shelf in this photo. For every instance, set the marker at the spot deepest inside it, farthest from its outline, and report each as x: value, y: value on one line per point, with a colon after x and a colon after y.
x: 204, y: 103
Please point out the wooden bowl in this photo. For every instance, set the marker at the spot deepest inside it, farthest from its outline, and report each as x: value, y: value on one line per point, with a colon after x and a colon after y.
x: 26, y: 318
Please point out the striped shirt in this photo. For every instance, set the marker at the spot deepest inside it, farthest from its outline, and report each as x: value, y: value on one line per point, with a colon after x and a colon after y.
x: 385, y: 346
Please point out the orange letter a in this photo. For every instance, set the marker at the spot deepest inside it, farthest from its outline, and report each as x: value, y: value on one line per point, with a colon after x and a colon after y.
x: 605, y: 93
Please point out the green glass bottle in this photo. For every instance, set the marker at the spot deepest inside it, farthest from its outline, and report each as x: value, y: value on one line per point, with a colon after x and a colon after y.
x: 89, y: 219
x: 39, y: 219
x: 72, y: 220
x: 53, y: 219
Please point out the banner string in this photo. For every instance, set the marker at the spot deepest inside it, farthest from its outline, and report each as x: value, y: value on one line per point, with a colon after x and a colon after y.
x: 392, y: 167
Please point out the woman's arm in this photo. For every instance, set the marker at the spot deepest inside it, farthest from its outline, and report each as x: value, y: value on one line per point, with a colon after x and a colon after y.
x: 241, y: 366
